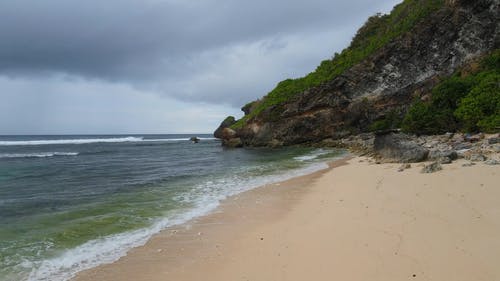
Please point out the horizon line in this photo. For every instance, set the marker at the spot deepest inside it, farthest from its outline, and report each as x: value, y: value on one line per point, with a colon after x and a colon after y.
x: 108, y: 134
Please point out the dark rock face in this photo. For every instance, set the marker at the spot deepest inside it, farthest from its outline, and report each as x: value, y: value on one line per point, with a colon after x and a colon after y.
x: 229, y: 138
x: 404, y: 69
x: 232, y: 142
x: 436, y: 154
x: 247, y: 108
x: 229, y: 121
x: 228, y: 133
x: 399, y: 148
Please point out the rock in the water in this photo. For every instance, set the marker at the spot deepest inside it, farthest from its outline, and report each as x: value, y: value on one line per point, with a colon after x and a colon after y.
x: 329, y: 143
x: 228, y: 133
x: 232, y: 142
x: 195, y: 139
x: 431, y: 168
x: 492, y: 162
x: 399, y: 148
x: 275, y: 143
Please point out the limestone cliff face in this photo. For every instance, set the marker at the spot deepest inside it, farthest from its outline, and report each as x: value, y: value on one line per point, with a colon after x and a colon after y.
x: 387, y: 81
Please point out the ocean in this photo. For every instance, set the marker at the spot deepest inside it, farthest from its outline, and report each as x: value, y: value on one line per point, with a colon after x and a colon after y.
x: 72, y: 202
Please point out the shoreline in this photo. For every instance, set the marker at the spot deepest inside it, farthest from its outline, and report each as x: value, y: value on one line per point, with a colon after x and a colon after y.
x: 108, y: 249
x: 360, y: 227
x: 190, y: 227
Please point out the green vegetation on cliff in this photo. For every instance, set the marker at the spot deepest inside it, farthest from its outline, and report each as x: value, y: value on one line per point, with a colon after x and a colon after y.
x: 375, y: 33
x: 392, y: 120
x: 467, y: 101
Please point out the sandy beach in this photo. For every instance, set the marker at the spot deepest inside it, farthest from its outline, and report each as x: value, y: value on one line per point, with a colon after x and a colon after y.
x: 355, y: 221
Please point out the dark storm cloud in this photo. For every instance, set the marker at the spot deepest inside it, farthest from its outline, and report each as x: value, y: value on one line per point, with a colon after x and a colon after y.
x: 159, y: 58
x: 125, y: 39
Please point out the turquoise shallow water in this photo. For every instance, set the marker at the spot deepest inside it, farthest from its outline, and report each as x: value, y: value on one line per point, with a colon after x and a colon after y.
x: 72, y: 202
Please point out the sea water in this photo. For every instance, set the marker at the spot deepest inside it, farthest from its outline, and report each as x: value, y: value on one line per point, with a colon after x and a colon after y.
x: 69, y: 203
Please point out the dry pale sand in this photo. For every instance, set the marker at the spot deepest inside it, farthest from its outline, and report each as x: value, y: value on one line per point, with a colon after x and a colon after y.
x: 359, y: 221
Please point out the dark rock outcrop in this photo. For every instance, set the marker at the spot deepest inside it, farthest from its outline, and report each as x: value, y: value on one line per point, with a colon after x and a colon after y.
x: 249, y: 107
x: 232, y: 142
x: 388, y: 81
x: 230, y: 138
x: 436, y: 154
x: 399, y: 148
x: 228, y: 122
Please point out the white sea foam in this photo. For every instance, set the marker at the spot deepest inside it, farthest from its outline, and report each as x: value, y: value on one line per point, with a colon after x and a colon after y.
x: 70, y: 141
x: 94, y: 140
x: 36, y: 154
x: 313, y: 155
x: 101, y: 251
x: 206, y: 197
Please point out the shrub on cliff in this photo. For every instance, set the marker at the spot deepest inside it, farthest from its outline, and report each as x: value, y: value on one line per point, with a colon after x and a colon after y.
x: 392, y: 120
x: 448, y: 93
x: 480, y: 109
x: 436, y: 116
x: 469, y: 103
x: 424, y: 118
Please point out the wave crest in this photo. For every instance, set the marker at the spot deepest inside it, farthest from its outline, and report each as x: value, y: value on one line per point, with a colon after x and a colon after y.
x: 311, y: 156
x: 70, y: 141
x: 85, y: 141
x: 37, y: 155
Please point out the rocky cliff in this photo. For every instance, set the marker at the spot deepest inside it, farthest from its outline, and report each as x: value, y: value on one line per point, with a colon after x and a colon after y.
x: 385, y: 82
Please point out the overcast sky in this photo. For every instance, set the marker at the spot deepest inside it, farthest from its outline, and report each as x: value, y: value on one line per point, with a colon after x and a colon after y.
x: 158, y: 66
